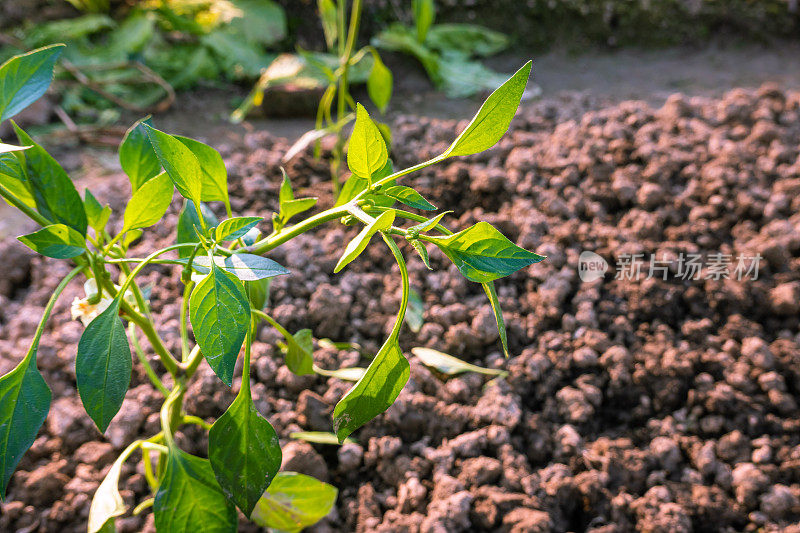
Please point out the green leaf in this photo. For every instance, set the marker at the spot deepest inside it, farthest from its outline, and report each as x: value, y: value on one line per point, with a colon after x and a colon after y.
x: 262, y: 21
x: 285, y: 194
x: 498, y: 315
x: 449, y: 365
x: 379, y: 84
x: 366, y: 151
x: 244, y: 452
x: 107, y: 503
x: 428, y: 224
x: 469, y: 40
x: 233, y: 228
x: 319, y: 437
x: 57, y: 240
x: 213, y: 171
x: 149, y: 203
x: 179, y: 162
x: 353, y: 373
x: 482, y: 253
x: 258, y: 293
x: 246, y: 267
x: 294, y: 501
x: 408, y: 196
x: 24, y: 403
x: 97, y: 215
x: 493, y: 118
x: 360, y: 242
x: 136, y: 156
x: 375, y: 391
x: 13, y: 178
x: 327, y: 15
x: 220, y: 315
x: 25, y: 78
x: 189, y: 499
x: 424, y: 13
x: 414, y: 313
x: 299, y: 352
x: 189, y: 225
x: 55, y: 195
x: 356, y: 184
x: 421, y: 251
x: 103, y: 366
x: 295, y: 207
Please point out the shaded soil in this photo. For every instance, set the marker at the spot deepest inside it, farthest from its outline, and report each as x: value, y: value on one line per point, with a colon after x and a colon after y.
x: 649, y: 404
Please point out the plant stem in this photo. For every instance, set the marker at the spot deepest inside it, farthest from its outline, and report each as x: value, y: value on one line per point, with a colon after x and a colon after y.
x: 398, y: 256
x: 290, y: 232
x: 411, y: 216
x: 187, y: 291
x: 148, y: 368
x: 248, y: 341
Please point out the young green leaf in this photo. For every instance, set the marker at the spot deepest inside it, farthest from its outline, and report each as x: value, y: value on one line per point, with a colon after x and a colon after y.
x: 233, y: 228
x: 107, y: 503
x: 220, y: 315
x: 424, y: 13
x: 482, y: 253
x: 360, y: 242
x: 25, y: 402
x: 25, y: 78
x: 258, y: 293
x: 294, y: 501
x: 179, y: 162
x: 97, y: 215
x: 213, y: 171
x: 244, y: 452
x: 375, y: 391
x: 189, y: 499
x: 136, y: 156
x: 493, y: 118
x: 488, y: 287
x: 327, y: 15
x: 356, y: 184
x: 285, y: 194
x: 57, y: 240
x: 449, y: 365
x: 295, y: 207
x: 56, y: 197
x: 246, y: 267
x: 366, y: 151
x: 422, y: 252
x: 299, y: 352
x: 408, y: 196
x: 379, y: 84
x: 189, y: 225
x: 149, y: 203
x: 319, y: 437
x: 416, y: 310
x: 103, y: 366
x: 352, y: 373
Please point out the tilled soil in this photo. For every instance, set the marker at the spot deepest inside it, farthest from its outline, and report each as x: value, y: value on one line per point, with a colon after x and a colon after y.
x: 645, y: 404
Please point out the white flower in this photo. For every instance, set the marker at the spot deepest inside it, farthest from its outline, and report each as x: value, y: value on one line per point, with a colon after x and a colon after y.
x: 86, y: 312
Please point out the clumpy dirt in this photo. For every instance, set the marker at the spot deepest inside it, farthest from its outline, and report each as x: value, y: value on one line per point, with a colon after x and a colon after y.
x: 650, y: 404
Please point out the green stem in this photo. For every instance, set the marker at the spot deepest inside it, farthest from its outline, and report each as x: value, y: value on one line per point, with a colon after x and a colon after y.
x: 195, y: 358
x: 168, y: 409
x: 272, y: 322
x: 19, y: 204
x: 148, y: 368
x: 48, y: 309
x: 290, y: 232
x: 196, y: 420
x: 187, y: 290
x: 411, y: 216
x: 248, y: 340
x: 398, y: 256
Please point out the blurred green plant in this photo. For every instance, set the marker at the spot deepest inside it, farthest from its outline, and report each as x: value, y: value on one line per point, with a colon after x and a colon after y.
x: 447, y: 52
x: 336, y: 71
x: 158, y: 47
